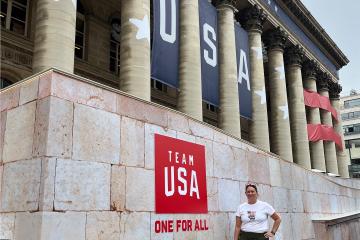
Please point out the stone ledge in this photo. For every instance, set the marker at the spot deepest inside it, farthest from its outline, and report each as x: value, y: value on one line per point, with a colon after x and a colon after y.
x: 334, y: 220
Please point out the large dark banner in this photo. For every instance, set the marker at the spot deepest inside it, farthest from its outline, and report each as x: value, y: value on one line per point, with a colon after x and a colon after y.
x: 242, y: 56
x: 165, y: 47
x: 209, y: 52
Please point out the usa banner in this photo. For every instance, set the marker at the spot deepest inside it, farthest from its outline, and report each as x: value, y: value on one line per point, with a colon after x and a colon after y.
x: 242, y: 56
x: 209, y: 52
x: 165, y: 46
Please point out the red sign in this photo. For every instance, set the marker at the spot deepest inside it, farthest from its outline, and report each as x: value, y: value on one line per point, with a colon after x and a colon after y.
x: 180, y: 176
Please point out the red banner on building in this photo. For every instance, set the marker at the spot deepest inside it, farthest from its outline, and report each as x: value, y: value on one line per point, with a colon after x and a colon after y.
x: 313, y: 99
x: 318, y: 132
x: 180, y: 176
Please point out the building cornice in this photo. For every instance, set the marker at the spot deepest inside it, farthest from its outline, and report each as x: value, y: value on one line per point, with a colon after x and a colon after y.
x: 305, y: 17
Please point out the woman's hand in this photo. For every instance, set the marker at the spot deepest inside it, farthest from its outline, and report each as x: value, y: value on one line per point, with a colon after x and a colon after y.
x: 269, y: 234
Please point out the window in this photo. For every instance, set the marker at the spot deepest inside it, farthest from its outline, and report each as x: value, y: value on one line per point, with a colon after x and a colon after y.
x: 14, y: 15
x: 344, y: 116
x: 4, y: 82
x: 350, y: 115
x: 352, y: 103
x: 158, y: 85
x: 210, y: 107
x: 115, y: 46
x: 80, y: 31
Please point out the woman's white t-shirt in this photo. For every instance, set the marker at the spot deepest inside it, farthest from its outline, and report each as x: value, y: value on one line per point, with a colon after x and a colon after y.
x: 254, y: 217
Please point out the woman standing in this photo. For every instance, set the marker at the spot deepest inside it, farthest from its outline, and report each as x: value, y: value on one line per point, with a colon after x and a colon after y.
x: 252, y: 217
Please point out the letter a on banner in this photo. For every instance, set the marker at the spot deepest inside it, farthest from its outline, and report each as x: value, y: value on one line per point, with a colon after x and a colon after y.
x: 242, y: 56
x: 165, y: 46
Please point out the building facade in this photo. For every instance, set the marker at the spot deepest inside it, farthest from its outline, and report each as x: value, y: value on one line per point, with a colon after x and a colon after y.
x: 350, y: 114
x: 82, y: 110
x: 289, y: 45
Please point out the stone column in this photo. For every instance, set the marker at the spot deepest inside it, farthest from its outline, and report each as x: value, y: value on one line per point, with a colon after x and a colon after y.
x: 343, y: 159
x: 135, y: 48
x: 313, y: 116
x: 326, y: 119
x: 300, y: 142
x: 229, y: 113
x: 280, y: 138
x: 252, y: 20
x: 54, y: 43
x: 190, y: 93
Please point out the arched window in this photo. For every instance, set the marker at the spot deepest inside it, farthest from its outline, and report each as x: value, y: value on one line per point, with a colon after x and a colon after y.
x: 14, y: 15
x: 115, y: 46
x: 80, y: 31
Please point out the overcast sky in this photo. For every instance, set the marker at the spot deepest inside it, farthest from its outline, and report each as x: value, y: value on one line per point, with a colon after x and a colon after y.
x: 341, y: 21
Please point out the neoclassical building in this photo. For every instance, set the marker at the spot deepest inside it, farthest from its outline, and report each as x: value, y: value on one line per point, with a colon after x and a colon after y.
x: 288, y: 52
x: 145, y: 119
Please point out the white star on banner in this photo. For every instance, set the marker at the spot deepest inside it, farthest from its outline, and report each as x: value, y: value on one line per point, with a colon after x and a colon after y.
x: 285, y: 110
x: 143, y: 27
x: 262, y: 95
x: 269, y: 2
x: 281, y: 71
x: 276, y: 8
x: 258, y: 51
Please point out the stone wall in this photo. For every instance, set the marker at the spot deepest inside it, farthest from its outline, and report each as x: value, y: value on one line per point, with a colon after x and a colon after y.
x: 77, y: 162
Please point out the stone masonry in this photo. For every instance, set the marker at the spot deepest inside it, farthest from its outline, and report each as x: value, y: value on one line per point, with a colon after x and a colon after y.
x: 77, y: 162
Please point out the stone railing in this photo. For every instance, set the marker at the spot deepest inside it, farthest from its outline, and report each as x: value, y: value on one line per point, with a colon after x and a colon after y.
x: 339, y: 227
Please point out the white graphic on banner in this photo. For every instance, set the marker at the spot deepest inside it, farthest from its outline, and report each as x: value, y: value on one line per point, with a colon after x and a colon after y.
x: 243, y: 70
x: 281, y: 71
x: 209, y: 30
x: 143, y: 28
x: 285, y: 111
x: 262, y: 95
x: 171, y: 38
x: 258, y: 51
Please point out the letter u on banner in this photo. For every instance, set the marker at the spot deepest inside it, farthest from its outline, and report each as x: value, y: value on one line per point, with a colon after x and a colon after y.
x: 165, y: 46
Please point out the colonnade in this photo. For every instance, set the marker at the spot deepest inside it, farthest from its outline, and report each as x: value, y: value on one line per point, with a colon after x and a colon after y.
x: 279, y: 126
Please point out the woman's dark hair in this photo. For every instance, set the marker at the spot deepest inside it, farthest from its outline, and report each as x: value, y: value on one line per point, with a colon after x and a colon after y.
x: 250, y: 185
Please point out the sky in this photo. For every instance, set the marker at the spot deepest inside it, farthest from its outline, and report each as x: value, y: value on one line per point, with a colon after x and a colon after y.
x: 341, y: 21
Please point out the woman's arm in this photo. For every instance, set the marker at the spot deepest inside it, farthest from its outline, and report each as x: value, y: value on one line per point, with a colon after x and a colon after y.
x: 277, y: 221
x: 237, y: 228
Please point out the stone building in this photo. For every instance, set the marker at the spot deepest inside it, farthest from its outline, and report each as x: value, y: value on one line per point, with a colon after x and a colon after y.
x: 350, y: 115
x: 81, y: 109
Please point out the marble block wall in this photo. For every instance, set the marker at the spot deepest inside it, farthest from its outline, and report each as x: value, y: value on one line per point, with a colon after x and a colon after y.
x: 77, y: 162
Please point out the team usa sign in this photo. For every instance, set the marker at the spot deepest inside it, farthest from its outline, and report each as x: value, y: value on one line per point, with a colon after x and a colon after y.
x: 180, y: 183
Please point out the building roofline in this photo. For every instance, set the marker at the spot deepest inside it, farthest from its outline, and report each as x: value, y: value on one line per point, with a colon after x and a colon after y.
x: 313, y: 26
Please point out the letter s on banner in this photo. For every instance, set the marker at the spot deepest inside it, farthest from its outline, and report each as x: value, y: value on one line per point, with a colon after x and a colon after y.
x: 207, y: 29
x: 171, y: 38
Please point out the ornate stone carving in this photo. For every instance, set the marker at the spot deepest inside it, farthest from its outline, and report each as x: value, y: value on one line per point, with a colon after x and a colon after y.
x: 309, y: 69
x: 220, y: 3
x: 294, y: 55
x: 322, y: 81
x: 334, y: 91
x: 275, y: 38
x: 252, y: 18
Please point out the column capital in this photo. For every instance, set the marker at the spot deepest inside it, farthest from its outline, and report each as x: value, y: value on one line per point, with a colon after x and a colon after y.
x: 323, y: 81
x: 334, y: 91
x: 294, y: 55
x: 309, y: 69
x: 225, y: 3
x: 275, y: 38
x: 252, y: 18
